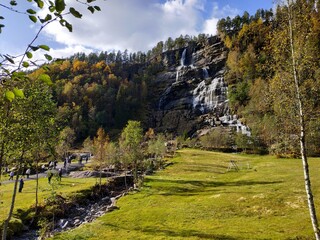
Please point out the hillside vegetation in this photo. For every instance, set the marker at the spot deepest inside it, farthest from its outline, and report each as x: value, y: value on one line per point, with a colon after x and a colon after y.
x: 198, y: 198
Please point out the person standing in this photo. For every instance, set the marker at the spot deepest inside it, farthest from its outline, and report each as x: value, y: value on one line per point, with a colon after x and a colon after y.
x: 60, y: 174
x: 11, y: 175
x: 28, y: 172
x: 50, y: 175
x: 21, y: 183
x: 65, y: 163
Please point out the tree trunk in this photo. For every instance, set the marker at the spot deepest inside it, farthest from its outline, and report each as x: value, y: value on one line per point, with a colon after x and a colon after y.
x: 37, y: 186
x: 1, y: 160
x: 125, y: 177
x: 100, y: 177
x: 304, y: 158
x: 3, y: 144
x: 6, y: 222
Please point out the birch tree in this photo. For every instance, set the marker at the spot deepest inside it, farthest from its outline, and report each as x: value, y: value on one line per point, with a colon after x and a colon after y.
x: 296, y: 49
x: 32, y: 116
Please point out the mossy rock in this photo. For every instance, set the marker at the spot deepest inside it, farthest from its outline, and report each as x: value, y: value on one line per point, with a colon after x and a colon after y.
x: 14, y: 228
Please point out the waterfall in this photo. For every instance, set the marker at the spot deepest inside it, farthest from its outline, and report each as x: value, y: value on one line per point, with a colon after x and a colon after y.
x: 205, y: 73
x: 192, y: 61
x: 183, y: 57
x: 182, y: 63
x: 208, y: 97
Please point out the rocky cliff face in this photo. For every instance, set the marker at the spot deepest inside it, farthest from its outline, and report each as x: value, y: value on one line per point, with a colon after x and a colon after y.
x: 192, y: 94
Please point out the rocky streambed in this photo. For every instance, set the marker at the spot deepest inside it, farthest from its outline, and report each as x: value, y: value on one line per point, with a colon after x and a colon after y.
x: 73, y: 213
x: 84, y: 214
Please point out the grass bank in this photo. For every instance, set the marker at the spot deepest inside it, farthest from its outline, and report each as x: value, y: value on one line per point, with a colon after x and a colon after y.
x: 197, y: 198
x: 26, y: 199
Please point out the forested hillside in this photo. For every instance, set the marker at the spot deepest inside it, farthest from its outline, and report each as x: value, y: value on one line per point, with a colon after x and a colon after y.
x: 259, y: 77
x: 109, y: 88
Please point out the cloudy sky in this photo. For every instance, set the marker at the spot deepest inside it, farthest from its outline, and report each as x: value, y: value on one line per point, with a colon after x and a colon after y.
x: 136, y: 25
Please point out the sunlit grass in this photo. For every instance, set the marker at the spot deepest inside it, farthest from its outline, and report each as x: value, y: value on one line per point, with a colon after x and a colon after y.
x: 26, y: 198
x: 198, y: 198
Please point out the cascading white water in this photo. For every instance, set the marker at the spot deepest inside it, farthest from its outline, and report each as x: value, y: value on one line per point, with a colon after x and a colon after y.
x: 183, y: 57
x: 177, y: 75
x: 182, y: 63
x: 207, y: 97
x: 233, y: 121
x: 192, y: 61
x: 205, y: 73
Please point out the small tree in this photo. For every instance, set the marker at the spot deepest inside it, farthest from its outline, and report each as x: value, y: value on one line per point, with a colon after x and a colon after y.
x: 157, y: 147
x: 216, y: 138
x: 130, y: 141
x: 88, y: 145
x: 243, y: 141
x: 100, y: 146
x: 66, y: 140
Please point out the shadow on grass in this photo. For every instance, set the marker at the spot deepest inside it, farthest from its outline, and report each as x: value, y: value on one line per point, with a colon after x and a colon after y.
x: 171, y: 233
x: 194, y: 187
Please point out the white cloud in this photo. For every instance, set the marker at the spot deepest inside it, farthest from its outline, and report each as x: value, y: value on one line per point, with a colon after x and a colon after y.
x: 210, y: 26
x: 136, y: 25
x: 69, y: 50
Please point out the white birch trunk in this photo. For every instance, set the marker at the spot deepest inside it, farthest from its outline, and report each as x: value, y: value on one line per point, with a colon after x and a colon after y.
x: 304, y: 158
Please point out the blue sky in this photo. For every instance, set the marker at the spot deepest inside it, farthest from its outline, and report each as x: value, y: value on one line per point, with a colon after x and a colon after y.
x: 136, y: 25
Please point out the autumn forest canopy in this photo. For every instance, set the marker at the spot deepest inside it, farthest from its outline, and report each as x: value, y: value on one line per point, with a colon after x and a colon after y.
x: 253, y: 88
x: 106, y: 89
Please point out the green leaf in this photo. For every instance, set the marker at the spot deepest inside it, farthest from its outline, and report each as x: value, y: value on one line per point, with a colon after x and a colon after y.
x: 46, y: 68
x: 9, y: 95
x: 9, y: 59
x: 60, y: 5
x: 97, y: 8
x: 1, y: 17
x: 39, y: 3
x: 13, y: 3
x: 75, y: 13
x: 48, y: 17
x: 91, y: 9
x: 34, y: 48
x: 48, y: 57
x: 31, y: 11
x: 62, y: 22
x: 18, y: 75
x: 45, y: 78
x: 33, y: 18
x: 69, y: 26
x: 25, y: 64
x: 44, y: 47
x: 29, y: 55
x: 1, y: 26
x: 52, y: 8
x: 18, y: 93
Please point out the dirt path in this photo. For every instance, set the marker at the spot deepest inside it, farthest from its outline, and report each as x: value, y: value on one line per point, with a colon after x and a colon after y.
x: 73, y: 166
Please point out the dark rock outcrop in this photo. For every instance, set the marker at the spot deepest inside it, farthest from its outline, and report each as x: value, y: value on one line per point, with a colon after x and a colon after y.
x: 192, y: 92
x: 190, y: 95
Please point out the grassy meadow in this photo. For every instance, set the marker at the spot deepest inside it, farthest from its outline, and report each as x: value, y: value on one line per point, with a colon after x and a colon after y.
x: 198, y: 198
x: 26, y: 198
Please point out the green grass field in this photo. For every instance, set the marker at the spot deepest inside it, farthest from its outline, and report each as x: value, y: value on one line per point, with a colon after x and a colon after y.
x: 26, y: 198
x: 198, y: 198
